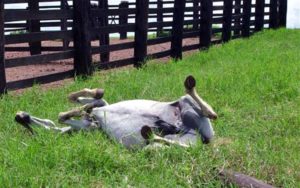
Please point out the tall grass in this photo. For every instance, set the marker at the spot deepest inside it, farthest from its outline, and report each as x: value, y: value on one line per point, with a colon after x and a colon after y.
x: 253, y: 84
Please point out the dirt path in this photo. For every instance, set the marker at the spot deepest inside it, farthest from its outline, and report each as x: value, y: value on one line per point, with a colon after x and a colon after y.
x: 31, y: 71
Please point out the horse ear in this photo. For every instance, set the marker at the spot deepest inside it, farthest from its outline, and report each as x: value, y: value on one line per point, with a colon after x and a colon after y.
x: 190, y: 82
x: 146, y: 132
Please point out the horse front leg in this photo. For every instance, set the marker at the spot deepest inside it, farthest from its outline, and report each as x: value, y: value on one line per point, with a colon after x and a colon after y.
x: 148, y: 134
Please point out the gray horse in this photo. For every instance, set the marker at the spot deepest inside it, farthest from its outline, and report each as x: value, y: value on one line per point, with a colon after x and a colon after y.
x: 136, y: 123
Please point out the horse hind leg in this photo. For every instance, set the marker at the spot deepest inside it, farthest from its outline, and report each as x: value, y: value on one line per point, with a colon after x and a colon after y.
x: 149, y: 135
x: 93, y: 102
x: 85, y: 94
x: 85, y: 123
x: 90, y: 98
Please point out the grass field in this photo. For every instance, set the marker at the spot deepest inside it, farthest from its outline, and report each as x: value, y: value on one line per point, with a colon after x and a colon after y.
x: 253, y: 84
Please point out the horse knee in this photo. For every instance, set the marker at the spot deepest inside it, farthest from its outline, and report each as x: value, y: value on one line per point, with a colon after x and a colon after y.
x: 206, y: 140
x: 207, y: 133
x: 199, y: 123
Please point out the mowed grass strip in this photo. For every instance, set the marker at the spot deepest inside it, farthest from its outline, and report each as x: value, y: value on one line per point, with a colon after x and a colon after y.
x: 253, y: 84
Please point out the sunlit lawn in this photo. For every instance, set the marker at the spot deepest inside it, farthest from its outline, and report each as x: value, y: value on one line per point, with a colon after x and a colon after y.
x: 253, y: 84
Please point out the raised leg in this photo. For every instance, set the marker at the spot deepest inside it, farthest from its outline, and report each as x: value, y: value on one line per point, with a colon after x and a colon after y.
x: 91, y: 94
x: 201, y: 124
x: 95, y: 102
x: 90, y: 98
x: 208, y: 111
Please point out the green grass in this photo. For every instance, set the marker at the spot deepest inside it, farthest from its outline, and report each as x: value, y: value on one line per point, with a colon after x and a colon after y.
x: 253, y: 84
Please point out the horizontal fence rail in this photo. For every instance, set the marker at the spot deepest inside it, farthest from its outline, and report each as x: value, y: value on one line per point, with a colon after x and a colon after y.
x: 81, y: 30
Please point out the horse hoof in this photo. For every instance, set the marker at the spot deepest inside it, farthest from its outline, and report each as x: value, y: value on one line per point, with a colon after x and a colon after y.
x: 23, y: 118
x: 146, y: 132
x: 99, y: 93
x: 190, y: 82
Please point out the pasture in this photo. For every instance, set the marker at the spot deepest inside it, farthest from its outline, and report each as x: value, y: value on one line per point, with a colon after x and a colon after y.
x: 253, y: 85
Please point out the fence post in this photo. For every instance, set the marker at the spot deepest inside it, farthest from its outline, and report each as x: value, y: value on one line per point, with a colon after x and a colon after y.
x: 159, y: 17
x: 104, y: 38
x: 206, y: 15
x: 246, y: 18
x: 227, y: 19
x: 35, y: 47
x: 2, y: 50
x: 123, y: 18
x: 177, y: 29
x: 259, y: 14
x: 141, y: 28
x: 274, y: 14
x: 196, y: 14
x: 237, y: 21
x: 282, y: 13
x: 82, y: 38
x: 64, y: 6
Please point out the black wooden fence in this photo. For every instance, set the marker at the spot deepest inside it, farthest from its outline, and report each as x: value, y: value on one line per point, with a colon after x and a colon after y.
x: 83, y: 21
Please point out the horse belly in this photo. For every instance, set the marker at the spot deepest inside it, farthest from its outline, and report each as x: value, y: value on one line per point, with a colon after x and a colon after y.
x: 123, y: 121
x: 124, y: 128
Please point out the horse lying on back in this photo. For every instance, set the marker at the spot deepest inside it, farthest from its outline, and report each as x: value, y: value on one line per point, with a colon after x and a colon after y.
x: 136, y: 123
